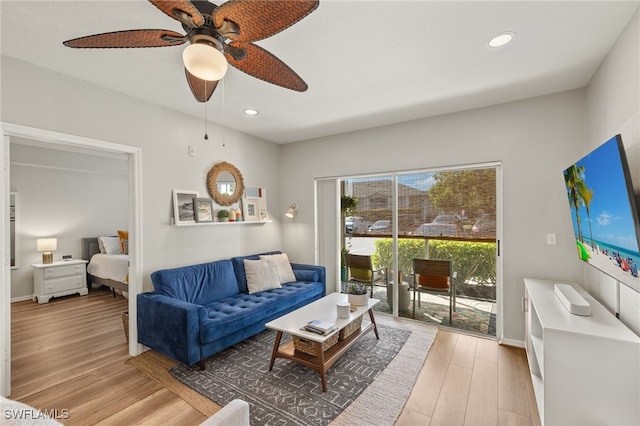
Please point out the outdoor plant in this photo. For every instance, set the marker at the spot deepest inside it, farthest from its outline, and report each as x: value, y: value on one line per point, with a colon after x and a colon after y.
x: 356, y: 288
x: 472, y: 261
x: 348, y: 204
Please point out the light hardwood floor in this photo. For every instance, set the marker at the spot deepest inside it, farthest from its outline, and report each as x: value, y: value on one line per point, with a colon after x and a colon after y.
x: 70, y: 354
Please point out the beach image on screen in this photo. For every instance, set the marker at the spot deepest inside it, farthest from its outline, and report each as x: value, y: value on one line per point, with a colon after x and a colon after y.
x: 603, y: 212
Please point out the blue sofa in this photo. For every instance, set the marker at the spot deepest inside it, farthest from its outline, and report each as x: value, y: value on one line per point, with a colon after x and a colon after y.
x: 196, y: 311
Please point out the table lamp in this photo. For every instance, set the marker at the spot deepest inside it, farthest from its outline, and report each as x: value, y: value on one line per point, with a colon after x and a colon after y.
x: 47, y: 245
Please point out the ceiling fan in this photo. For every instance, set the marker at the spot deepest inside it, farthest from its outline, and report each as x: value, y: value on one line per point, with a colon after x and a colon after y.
x: 217, y: 35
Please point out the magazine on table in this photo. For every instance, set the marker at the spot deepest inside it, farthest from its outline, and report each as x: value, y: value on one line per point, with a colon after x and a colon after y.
x: 320, y: 327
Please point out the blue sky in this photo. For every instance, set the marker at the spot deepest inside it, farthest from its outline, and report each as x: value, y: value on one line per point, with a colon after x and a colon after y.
x: 610, y: 209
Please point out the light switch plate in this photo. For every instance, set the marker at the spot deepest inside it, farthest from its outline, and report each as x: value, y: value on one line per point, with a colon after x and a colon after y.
x: 551, y: 239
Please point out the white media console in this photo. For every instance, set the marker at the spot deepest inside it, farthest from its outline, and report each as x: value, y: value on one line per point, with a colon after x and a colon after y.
x: 585, y: 369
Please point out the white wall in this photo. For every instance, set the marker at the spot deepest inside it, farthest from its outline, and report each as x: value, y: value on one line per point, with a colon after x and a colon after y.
x: 534, y: 139
x: 64, y: 195
x: 36, y: 97
x: 612, y: 107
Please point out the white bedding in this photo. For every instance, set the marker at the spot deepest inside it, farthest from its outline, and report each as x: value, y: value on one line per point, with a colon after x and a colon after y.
x: 111, y: 266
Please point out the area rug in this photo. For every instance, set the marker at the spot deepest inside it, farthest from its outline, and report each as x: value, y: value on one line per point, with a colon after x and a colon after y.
x: 368, y: 385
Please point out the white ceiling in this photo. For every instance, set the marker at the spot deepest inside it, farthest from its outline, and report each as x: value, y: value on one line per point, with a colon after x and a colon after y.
x: 367, y: 63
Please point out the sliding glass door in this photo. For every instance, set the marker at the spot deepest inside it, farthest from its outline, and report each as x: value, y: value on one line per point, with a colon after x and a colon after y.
x: 448, y: 214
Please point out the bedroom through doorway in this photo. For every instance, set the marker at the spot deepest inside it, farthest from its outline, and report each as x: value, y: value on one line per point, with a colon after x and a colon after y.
x: 93, y: 160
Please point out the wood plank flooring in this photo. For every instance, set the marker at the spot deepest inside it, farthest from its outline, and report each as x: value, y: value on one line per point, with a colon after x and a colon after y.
x: 70, y: 354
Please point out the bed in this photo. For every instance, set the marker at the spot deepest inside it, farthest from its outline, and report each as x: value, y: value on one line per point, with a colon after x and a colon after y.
x: 110, y: 270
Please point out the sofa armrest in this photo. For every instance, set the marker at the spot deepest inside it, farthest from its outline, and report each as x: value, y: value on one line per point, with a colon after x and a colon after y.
x: 170, y: 326
x: 235, y: 413
x: 320, y: 270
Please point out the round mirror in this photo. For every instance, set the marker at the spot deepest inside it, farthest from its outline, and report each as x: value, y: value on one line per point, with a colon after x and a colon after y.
x: 225, y: 183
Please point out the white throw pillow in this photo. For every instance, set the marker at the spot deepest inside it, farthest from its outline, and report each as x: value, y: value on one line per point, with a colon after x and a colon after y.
x: 111, y: 245
x: 261, y: 275
x: 285, y: 273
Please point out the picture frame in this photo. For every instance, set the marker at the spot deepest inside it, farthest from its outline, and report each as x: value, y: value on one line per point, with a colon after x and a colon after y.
x: 203, y: 209
x: 251, y: 209
x: 183, y: 206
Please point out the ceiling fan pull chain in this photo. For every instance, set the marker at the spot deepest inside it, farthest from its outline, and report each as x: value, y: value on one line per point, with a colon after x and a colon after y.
x: 223, y: 92
x: 206, y: 136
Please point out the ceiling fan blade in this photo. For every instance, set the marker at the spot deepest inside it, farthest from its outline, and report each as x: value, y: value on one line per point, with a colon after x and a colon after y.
x: 201, y: 89
x: 261, y: 64
x: 259, y: 19
x: 180, y: 10
x: 129, y: 38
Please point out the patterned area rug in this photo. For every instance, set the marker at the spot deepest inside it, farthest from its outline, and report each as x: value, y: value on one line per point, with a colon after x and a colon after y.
x: 291, y: 394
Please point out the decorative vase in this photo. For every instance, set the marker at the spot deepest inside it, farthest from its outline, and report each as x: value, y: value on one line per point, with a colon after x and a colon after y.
x: 343, y: 273
x: 358, y: 299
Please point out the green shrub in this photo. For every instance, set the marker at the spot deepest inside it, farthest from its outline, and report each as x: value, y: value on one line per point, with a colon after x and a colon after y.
x: 471, y: 260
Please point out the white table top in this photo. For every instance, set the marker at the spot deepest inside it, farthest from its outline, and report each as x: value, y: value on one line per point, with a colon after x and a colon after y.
x: 324, y: 309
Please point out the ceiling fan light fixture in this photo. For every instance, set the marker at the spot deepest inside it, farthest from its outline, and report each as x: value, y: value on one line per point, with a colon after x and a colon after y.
x: 204, y: 61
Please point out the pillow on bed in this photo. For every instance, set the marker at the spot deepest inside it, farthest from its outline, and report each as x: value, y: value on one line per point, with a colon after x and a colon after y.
x: 285, y: 273
x: 124, y: 241
x: 261, y: 275
x: 111, y: 245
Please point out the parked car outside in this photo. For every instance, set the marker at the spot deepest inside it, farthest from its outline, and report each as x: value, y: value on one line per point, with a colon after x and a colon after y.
x: 355, y: 224
x: 380, y: 227
x: 445, y: 218
x: 485, y: 226
x: 436, y: 230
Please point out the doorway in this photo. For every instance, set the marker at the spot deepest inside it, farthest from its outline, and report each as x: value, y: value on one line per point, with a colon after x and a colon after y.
x: 133, y: 154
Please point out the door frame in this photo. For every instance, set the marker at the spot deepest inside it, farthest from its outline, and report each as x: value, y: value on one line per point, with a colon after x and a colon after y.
x: 134, y: 154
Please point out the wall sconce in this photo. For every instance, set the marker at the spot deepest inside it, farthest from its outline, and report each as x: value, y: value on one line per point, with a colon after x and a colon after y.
x: 292, y: 212
x: 47, y: 245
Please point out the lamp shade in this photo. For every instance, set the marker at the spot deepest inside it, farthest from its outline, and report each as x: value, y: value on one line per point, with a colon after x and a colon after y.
x: 204, y: 61
x: 292, y: 211
x: 47, y: 244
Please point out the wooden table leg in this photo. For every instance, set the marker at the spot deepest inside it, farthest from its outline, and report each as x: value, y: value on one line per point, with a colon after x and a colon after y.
x: 373, y: 321
x: 276, y: 345
x: 323, y: 368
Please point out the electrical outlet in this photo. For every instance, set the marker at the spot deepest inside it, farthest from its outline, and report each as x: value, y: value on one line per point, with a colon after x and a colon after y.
x: 192, y: 151
x: 551, y: 239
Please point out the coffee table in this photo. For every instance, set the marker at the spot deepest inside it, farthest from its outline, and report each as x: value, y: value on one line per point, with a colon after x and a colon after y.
x: 324, y: 310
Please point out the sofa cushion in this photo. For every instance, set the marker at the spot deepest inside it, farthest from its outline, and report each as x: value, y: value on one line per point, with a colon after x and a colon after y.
x: 285, y: 273
x: 261, y: 275
x: 238, y: 268
x: 199, y: 284
x: 225, y: 316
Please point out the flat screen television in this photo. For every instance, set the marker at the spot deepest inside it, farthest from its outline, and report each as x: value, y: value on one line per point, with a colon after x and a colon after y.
x: 604, y: 212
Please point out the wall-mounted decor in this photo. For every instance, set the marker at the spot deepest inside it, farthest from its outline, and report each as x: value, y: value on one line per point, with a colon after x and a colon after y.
x: 183, y: 206
x: 251, y: 209
x: 225, y: 183
x: 203, y: 209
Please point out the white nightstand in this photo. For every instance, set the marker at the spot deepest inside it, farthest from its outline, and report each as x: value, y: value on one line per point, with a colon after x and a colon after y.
x: 59, y: 279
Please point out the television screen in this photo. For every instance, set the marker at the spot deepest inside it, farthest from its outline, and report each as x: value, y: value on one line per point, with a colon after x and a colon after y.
x: 603, y: 211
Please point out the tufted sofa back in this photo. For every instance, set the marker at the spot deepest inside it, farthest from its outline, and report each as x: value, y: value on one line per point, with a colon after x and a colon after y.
x: 198, y: 284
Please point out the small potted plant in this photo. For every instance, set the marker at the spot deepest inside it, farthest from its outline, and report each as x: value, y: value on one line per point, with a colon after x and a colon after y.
x: 223, y: 215
x: 357, y: 294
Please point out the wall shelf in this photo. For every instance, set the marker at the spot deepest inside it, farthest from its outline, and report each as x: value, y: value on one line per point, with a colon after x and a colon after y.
x: 221, y: 223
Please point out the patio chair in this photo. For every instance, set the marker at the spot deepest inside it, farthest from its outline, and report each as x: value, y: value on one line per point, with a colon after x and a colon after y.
x: 434, y: 276
x: 360, y: 270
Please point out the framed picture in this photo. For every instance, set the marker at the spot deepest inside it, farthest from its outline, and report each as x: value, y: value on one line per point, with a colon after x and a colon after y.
x: 183, y: 206
x: 251, y: 209
x: 203, y: 209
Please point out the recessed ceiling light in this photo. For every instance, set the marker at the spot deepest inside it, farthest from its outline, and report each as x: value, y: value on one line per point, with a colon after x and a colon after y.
x: 501, y: 39
x: 251, y: 111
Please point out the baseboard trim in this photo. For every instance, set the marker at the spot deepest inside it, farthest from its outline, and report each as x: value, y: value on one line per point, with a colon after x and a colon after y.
x: 21, y: 299
x: 511, y: 342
